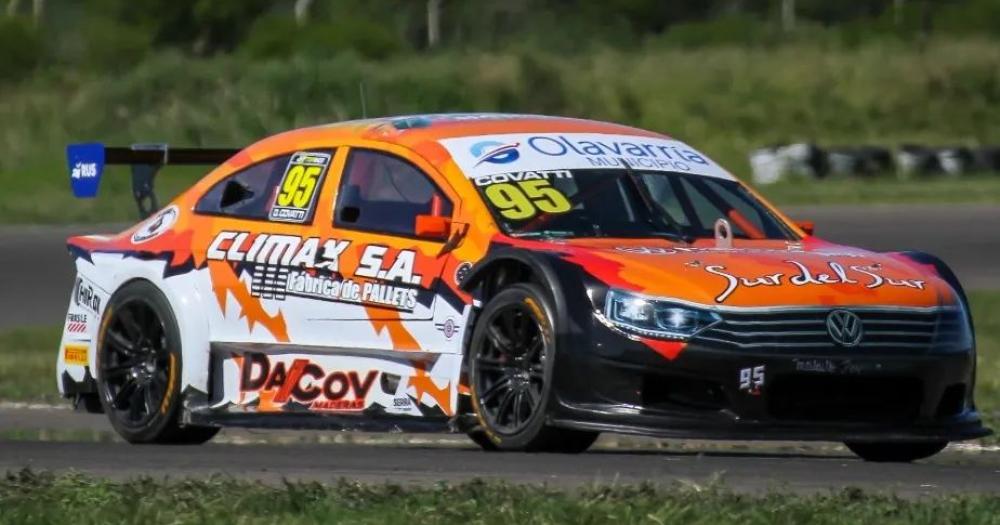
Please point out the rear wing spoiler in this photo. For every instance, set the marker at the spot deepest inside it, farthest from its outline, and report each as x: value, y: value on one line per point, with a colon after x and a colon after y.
x: 86, y: 164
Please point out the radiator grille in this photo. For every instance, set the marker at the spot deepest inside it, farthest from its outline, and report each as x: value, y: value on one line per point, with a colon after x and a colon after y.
x: 885, y: 330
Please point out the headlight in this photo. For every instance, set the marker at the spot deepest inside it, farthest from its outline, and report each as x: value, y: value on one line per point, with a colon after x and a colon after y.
x: 655, y: 317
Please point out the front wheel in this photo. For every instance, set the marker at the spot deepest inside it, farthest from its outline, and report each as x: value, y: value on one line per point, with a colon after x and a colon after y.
x: 889, y: 452
x: 511, y: 359
x: 139, y: 367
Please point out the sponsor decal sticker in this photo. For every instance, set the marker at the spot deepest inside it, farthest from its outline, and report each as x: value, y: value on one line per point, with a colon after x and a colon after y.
x: 675, y: 250
x: 85, y: 296
x: 859, y: 275
x: 288, y: 265
x: 305, y: 382
x: 448, y: 327
x: 76, y: 323
x: 156, y: 226
x: 491, y: 154
x: 75, y: 354
x: 495, y: 152
x: 462, y: 271
x: 86, y: 164
x: 830, y: 366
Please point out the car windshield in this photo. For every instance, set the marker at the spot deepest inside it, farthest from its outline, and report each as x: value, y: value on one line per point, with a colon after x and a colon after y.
x: 625, y: 203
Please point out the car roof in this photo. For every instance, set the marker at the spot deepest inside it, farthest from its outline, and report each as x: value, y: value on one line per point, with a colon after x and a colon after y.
x: 449, y: 125
x: 412, y: 129
x: 437, y: 137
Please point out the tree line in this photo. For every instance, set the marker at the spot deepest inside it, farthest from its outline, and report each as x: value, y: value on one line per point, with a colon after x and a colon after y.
x: 119, y: 32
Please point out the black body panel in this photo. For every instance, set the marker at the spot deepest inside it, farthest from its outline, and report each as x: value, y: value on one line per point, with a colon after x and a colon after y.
x: 606, y: 380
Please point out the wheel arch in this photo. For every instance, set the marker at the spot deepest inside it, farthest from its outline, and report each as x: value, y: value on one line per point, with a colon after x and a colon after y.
x: 191, y: 315
x: 944, y: 272
x: 567, y: 286
x: 947, y: 275
x: 506, y: 265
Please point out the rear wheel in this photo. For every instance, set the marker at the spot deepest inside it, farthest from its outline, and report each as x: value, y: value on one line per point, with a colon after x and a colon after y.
x: 888, y: 452
x: 139, y: 367
x: 511, y: 358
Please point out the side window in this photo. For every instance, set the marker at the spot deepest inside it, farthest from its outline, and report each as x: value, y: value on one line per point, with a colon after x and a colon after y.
x: 282, y: 188
x: 383, y: 193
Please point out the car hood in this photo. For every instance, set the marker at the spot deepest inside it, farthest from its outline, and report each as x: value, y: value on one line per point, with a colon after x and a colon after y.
x: 752, y: 273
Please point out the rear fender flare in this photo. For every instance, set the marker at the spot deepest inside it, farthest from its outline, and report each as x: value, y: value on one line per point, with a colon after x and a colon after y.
x: 192, y: 320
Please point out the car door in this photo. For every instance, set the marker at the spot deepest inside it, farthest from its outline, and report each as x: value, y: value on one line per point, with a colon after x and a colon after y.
x: 392, y: 216
x: 259, y: 227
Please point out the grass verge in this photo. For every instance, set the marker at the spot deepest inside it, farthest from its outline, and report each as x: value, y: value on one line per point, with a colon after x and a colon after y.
x: 27, y: 361
x: 29, y: 498
x: 28, y: 364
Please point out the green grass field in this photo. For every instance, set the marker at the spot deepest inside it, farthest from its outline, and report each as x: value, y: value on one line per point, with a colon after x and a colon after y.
x: 27, y: 361
x: 31, y: 498
x: 27, y: 364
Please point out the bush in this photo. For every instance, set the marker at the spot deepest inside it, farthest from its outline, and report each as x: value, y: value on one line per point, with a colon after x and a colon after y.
x: 21, y: 48
x: 280, y: 37
x: 739, y: 30
x: 115, y: 47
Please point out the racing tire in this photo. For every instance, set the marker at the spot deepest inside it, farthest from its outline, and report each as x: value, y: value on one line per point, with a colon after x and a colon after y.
x: 139, y: 369
x: 889, y: 452
x: 511, y: 362
x: 480, y: 438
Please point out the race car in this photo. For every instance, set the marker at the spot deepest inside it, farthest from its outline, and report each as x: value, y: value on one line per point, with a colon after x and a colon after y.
x: 531, y: 281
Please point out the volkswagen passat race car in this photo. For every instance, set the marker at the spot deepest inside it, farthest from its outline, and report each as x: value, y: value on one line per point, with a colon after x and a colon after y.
x: 531, y: 281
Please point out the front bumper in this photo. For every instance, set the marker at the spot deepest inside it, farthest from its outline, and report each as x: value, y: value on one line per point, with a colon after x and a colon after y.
x: 609, y: 382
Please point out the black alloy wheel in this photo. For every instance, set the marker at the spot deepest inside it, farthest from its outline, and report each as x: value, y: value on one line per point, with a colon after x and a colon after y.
x: 139, y: 368
x: 510, y: 368
x: 137, y: 365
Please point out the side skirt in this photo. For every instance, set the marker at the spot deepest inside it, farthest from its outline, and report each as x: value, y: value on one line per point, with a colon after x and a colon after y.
x: 313, y: 421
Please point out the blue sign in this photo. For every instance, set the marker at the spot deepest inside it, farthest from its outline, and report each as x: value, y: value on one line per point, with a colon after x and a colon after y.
x: 86, y: 165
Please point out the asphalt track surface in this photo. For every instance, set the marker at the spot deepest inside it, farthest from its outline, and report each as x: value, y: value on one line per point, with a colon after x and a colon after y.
x: 36, y: 278
x: 423, y: 459
x: 416, y: 465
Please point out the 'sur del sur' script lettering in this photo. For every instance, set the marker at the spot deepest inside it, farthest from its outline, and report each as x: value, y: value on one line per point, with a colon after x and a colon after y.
x: 855, y: 274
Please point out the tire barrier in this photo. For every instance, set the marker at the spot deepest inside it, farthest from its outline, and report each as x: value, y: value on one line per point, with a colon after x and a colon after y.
x: 804, y: 160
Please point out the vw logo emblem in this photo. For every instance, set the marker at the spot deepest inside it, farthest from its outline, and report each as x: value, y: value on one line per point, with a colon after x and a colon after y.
x: 844, y: 327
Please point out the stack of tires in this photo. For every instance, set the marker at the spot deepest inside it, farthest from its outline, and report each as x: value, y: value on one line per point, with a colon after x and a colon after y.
x: 804, y: 160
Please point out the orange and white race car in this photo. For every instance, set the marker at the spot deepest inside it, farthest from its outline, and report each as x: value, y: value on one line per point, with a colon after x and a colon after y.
x: 531, y: 281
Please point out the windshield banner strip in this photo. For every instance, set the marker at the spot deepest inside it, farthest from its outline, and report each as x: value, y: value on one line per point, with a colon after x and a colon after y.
x: 517, y: 152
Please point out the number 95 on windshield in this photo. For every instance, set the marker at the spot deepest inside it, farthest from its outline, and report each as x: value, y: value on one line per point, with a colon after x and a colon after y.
x: 522, y: 200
